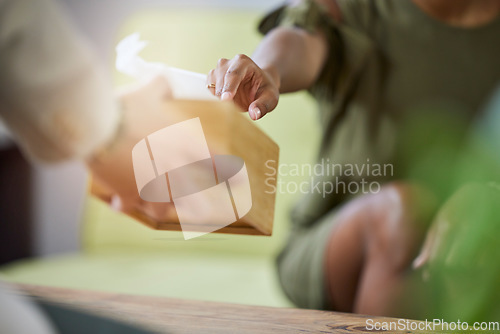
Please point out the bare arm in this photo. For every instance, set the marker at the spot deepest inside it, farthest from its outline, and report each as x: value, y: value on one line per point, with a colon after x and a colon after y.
x: 295, y: 55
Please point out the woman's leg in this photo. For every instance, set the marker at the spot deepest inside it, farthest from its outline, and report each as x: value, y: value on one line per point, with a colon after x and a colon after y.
x: 373, y: 245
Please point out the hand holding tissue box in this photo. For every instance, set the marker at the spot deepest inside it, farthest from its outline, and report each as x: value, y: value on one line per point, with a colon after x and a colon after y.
x: 209, y: 163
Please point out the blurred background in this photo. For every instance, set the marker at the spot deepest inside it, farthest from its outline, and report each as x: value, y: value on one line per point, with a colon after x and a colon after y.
x: 53, y: 233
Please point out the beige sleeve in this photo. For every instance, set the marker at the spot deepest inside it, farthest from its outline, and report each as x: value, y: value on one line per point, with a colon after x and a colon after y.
x: 54, y: 98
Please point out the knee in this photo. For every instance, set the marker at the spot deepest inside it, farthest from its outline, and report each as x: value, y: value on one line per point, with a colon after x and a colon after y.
x: 399, y: 216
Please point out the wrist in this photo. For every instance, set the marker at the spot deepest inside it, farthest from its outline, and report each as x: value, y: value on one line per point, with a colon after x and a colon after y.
x: 273, y: 74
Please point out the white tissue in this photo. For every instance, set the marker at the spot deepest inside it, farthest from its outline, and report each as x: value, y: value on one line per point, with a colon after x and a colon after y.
x: 184, y: 84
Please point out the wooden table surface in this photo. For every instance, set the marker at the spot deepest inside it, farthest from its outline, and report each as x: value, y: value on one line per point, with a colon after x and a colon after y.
x: 168, y: 315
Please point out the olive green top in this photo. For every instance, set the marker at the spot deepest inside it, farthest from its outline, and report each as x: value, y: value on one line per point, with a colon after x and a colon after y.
x: 387, y: 61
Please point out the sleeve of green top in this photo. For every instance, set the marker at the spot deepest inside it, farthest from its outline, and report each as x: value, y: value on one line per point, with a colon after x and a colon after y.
x: 312, y: 17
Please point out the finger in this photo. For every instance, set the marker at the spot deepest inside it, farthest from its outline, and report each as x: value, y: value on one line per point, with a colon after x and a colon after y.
x: 428, y: 249
x: 265, y: 103
x: 220, y: 72
x: 115, y: 203
x: 211, y: 81
x: 421, y: 259
x: 234, y: 76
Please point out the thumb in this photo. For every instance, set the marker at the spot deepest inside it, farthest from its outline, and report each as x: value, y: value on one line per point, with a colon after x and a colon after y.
x: 265, y: 103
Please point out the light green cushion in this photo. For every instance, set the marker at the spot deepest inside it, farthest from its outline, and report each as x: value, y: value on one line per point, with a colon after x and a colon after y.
x: 210, y: 276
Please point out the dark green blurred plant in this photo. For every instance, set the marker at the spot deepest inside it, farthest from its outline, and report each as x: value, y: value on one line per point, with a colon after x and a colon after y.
x: 458, y: 159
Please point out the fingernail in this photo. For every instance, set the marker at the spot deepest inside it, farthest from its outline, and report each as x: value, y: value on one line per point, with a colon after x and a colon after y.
x: 225, y: 96
x: 116, y: 203
x: 251, y: 112
x: 257, y: 113
x: 418, y: 262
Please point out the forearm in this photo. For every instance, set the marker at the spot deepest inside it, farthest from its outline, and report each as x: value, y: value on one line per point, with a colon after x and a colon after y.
x: 292, y: 56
